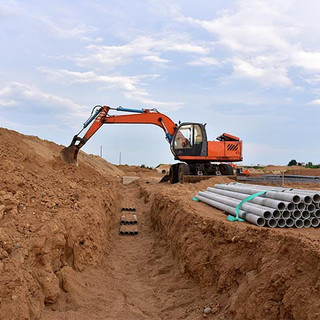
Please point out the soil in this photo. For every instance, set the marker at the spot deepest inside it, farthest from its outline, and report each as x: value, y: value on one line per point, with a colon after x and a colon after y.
x: 61, y: 255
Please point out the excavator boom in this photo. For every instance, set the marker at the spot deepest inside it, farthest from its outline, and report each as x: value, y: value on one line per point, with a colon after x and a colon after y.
x: 100, y: 115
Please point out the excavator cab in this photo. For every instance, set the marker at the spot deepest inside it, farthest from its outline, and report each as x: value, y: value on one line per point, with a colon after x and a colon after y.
x: 190, y: 139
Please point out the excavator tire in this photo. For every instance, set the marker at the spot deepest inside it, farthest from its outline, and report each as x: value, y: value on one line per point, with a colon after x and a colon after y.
x: 226, y: 169
x: 173, y: 174
x: 183, y: 170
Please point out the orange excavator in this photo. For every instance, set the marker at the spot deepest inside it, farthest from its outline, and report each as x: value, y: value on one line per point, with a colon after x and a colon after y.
x: 188, y: 142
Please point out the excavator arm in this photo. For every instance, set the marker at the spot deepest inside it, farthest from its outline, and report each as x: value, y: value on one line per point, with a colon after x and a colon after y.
x: 100, y: 115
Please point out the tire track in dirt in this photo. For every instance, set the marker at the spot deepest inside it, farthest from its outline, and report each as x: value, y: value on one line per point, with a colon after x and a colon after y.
x: 139, y: 279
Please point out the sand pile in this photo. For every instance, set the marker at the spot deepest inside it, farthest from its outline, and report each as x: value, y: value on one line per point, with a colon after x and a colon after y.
x: 53, y: 218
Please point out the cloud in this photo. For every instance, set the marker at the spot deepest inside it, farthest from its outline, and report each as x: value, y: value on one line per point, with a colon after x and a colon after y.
x: 147, y: 47
x: 130, y: 86
x: 79, y: 31
x: 310, y: 61
x: 155, y: 59
x: 262, y: 40
x: 266, y: 75
x: 315, y: 102
x: 204, y: 61
x: 28, y: 98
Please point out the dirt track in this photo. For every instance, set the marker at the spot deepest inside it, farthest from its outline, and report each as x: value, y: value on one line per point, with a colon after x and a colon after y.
x: 61, y: 256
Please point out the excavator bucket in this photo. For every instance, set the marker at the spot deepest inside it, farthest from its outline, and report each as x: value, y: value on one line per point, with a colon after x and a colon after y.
x: 70, y: 154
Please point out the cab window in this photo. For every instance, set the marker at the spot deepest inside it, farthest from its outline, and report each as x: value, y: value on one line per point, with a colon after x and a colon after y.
x: 184, y: 137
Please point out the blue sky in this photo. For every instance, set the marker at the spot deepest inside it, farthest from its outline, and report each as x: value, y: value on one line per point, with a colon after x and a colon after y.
x: 249, y: 68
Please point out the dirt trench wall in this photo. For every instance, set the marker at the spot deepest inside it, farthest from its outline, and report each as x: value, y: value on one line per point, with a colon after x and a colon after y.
x: 54, y: 220
x: 251, y: 272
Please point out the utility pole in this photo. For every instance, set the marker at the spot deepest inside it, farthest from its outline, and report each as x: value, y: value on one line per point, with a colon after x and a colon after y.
x: 120, y: 159
x: 100, y: 151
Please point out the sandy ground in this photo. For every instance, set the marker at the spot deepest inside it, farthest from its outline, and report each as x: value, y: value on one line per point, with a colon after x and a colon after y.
x: 139, y: 279
x: 61, y: 255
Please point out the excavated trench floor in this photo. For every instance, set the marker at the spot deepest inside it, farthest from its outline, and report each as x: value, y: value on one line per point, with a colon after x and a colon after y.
x: 139, y: 279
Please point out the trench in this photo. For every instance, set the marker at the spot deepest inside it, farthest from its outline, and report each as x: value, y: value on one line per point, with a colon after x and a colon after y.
x: 140, y: 277
x: 186, y: 257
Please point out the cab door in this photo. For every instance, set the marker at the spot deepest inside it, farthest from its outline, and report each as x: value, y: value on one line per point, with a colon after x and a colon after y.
x: 190, y: 139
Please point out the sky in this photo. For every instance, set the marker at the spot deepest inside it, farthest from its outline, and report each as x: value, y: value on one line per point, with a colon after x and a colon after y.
x: 250, y: 68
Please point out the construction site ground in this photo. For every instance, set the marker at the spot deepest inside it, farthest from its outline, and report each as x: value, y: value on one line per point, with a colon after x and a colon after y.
x: 61, y: 255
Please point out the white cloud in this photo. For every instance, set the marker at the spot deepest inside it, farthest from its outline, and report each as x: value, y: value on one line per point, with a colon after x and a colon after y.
x: 263, y: 40
x: 27, y: 96
x: 204, y: 61
x: 155, y: 59
x: 266, y: 75
x: 79, y: 31
x: 130, y: 86
x: 147, y: 47
x: 310, y: 61
x: 315, y: 102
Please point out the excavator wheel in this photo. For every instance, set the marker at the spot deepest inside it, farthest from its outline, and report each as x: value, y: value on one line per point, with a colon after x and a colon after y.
x: 183, y: 170
x: 226, y: 169
x: 173, y: 174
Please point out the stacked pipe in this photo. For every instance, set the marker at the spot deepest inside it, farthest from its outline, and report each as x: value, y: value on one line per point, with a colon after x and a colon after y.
x: 277, y: 207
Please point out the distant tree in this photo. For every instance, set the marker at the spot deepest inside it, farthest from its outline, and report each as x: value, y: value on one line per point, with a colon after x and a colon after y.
x: 309, y: 164
x: 143, y: 166
x: 292, y: 163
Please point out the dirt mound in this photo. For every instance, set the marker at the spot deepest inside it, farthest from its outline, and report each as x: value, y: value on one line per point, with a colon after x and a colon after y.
x: 250, y: 272
x: 296, y: 170
x: 47, y: 213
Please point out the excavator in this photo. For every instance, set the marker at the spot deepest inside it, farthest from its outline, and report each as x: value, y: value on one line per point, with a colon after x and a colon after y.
x: 188, y: 142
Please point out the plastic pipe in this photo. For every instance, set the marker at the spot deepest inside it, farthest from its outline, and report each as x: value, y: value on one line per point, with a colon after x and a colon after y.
x: 311, y: 208
x: 296, y: 214
x: 317, y: 213
x: 289, y: 222
x: 269, y: 194
x: 259, y: 221
x: 300, y: 206
x: 276, y: 204
x: 276, y: 214
x: 281, y: 223
x: 315, y: 222
x: 305, y: 214
x: 272, y: 223
x: 306, y: 195
x: 285, y: 214
x: 298, y: 223
x: 307, y: 223
x: 252, y: 208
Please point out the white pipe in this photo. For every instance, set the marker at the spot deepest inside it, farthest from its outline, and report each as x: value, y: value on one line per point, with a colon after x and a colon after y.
x: 259, y: 221
x: 315, y: 222
x: 300, y: 206
x: 317, y: 213
x: 296, y: 214
x: 272, y: 223
x: 251, y: 190
x: 307, y: 223
x: 302, y: 193
x: 305, y: 214
x: 276, y: 214
x: 311, y: 208
x: 285, y: 214
x: 276, y: 204
x: 289, y: 222
x: 261, y: 211
x: 281, y: 223
x: 298, y: 223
